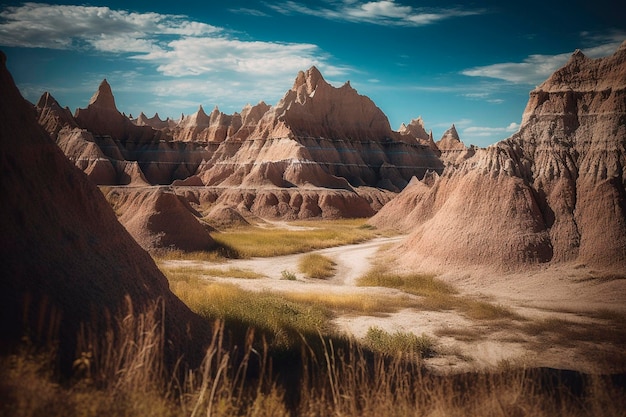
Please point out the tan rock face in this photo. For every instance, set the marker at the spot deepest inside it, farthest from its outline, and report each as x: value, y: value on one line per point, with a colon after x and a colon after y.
x: 316, y: 136
x: 112, y: 149
x: 553, y: 192
x: 416, y: 129
x: 323, y: 136
x: 52, y: 116
x: 160, y: 220
x: 63, y: 252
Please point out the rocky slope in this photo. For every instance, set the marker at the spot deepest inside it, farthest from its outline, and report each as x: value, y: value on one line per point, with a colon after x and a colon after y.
x: 416, y: 129
x: 322, y: 136
x: 329, y: 147
x: 159, y: 220
x: 65, y: 258
x: 114, y: 150
x: 553, y: 192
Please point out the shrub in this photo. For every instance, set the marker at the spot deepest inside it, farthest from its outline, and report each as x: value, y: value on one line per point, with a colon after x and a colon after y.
x: 315, y: 265
x: 287, y: 275
x: 399, y: 343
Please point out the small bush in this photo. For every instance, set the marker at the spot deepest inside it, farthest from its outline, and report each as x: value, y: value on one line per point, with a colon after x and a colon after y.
x: 315, y: 265
x: 287, y: 275
x: 399, y: 343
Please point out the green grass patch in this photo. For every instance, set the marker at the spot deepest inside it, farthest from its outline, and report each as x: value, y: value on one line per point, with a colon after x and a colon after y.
x: 266, y: 242
x: 315, y: 265
x: 399, y: 343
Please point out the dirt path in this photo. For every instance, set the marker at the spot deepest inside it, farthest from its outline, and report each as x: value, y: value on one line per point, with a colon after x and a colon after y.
x: 463, y: 343
x: 352, y: 261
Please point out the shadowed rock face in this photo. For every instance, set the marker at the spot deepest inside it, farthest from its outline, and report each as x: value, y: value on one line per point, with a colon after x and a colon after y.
x: 160, y: 220
x: 62, y: 249
x: 553, y: 192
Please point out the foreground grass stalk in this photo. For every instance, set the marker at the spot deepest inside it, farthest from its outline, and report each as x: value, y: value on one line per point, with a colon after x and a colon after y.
x: 126, y: 376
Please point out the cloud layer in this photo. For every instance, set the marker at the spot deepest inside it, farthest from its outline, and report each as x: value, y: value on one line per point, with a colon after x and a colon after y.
x: 177, y: 45
x: 536, y: 68
x: 384, y: 12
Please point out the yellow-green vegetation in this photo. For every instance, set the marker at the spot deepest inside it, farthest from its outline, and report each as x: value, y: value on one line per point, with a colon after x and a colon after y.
x: 233, y: 272
x: 399, y: 343
x: 314, y: 374
x: 196, y: 272
x: 437, y: 295
x: 352, y: 303
x: 257, y: 241
x: 127, y: 377
x: 215, y: 256
x: 280, y: 319
x: 416, y: 284
x: 315, y: 265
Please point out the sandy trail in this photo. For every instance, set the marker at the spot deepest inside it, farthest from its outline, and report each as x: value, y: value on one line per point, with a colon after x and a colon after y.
x: 557, y: 293
x: 352, y: 261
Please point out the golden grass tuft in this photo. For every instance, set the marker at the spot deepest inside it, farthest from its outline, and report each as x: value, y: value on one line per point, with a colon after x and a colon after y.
x: 126, y: 376
x: 399, y: 343
x: 426, y: 285
x: 315, y: 265
x: 280, y: 319
x: 436, y: 294
x: 233, y: 272
x: 352, y: 303
x: 266, y: 242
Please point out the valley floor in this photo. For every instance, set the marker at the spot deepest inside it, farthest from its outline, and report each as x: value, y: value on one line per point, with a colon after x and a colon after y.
x: 561, y: 317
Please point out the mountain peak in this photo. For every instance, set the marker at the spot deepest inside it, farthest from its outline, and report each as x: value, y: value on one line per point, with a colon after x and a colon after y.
x: 46, y: 100
x: 310, y: 78
x: 103, y: 97
x: 450, y: 140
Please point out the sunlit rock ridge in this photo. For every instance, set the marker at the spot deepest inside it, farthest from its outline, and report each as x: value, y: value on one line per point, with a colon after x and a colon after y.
x: 553, y: 192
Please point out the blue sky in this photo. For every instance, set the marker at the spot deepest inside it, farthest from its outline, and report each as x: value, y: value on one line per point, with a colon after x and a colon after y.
x: 470, y: 63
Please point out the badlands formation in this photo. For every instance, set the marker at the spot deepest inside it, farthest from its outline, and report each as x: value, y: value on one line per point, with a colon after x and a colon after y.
x: 554, y: 192
x: 320, y: 151
x: 65, y: 258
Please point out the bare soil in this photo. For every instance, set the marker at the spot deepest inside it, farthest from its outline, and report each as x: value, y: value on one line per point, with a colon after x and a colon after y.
x: 567, y: 316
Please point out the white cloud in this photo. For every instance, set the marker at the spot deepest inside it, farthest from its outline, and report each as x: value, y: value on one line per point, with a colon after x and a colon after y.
x: 537, y: 68
x: 512, y: 127
x: 250, y: 12
x: 382, y: 12
x: 176, y: 45
x: 195, y: 56
x: 482, y: 131
x: 68, y: 27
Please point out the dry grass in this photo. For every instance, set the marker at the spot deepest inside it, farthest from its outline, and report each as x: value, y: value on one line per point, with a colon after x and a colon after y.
x: 399, y: 343
x: 352, y: 303
x: 329, y: 379
x: 436, y: 294
x: 315, y: 265
x: 233, y: 272
x: 278, y: 318
x: 215, y: 256
x: 265, y: 242
x: 416, y: 284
